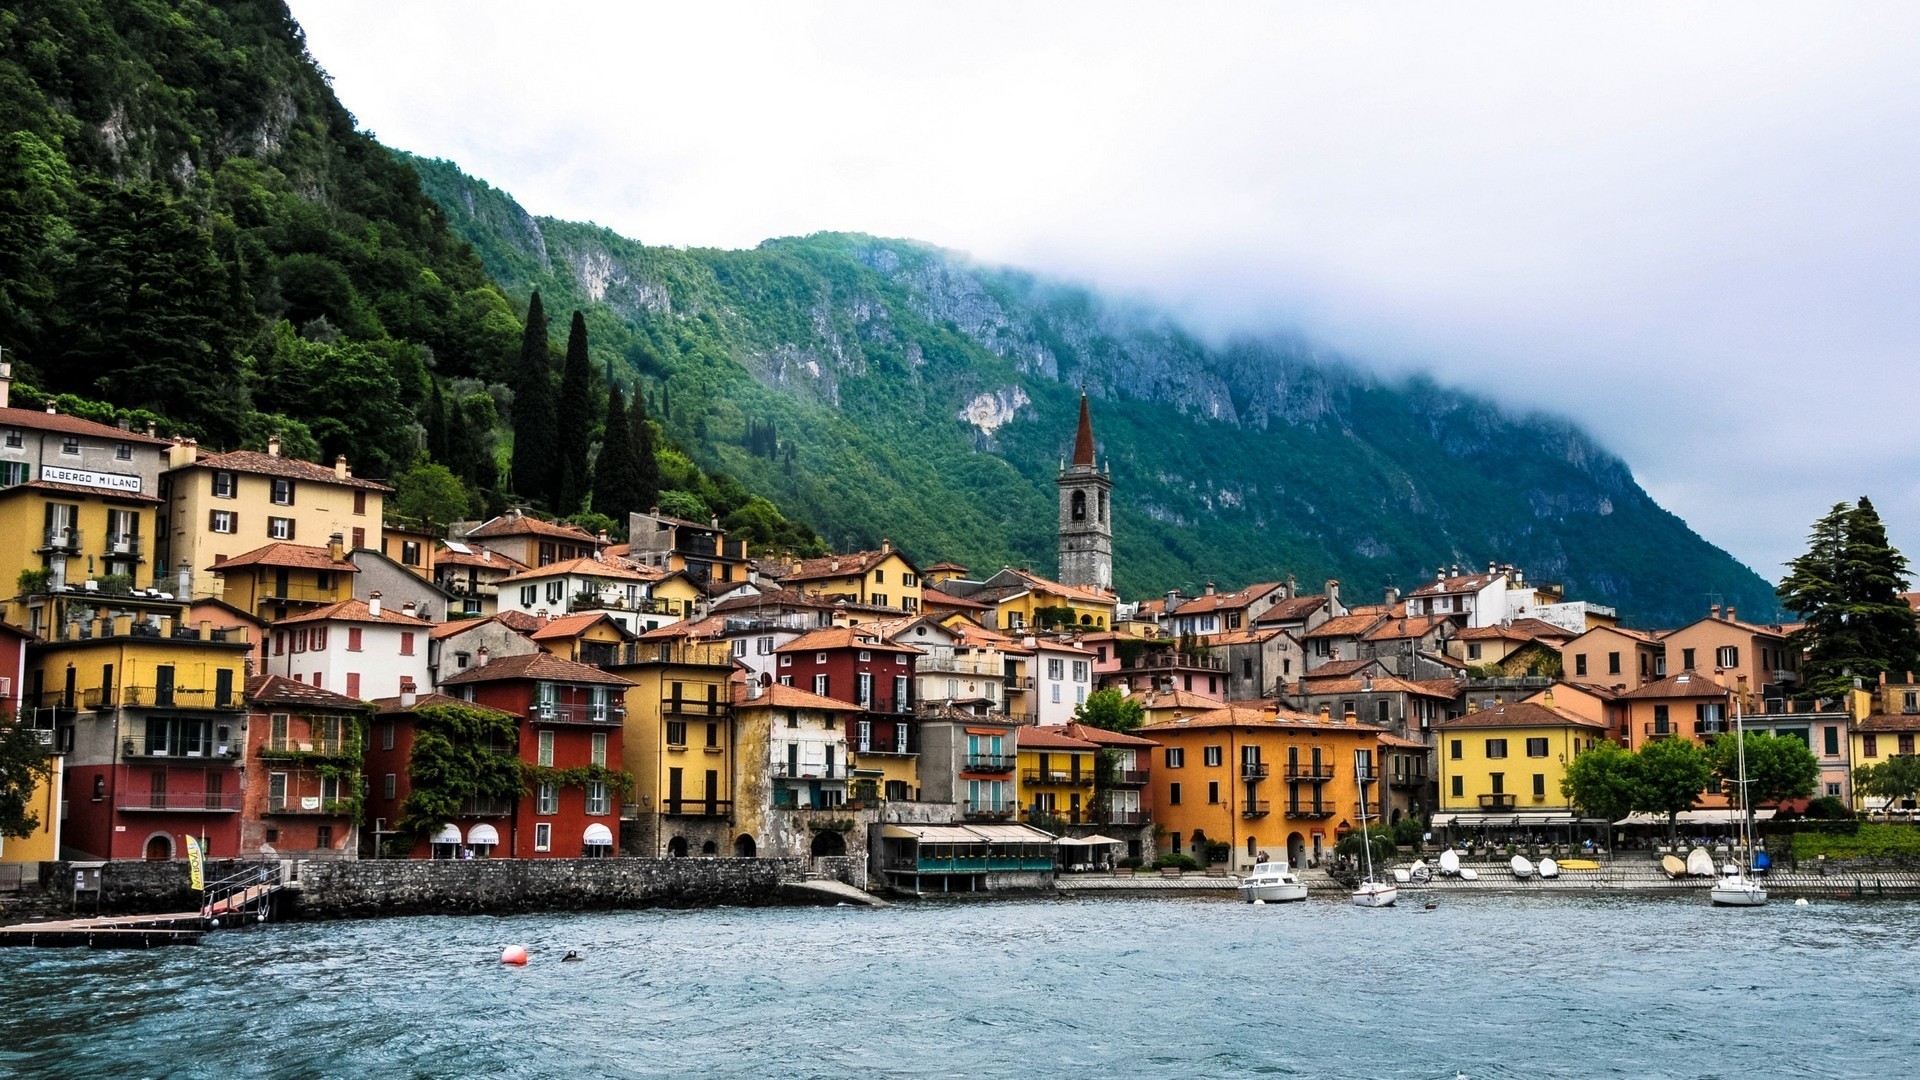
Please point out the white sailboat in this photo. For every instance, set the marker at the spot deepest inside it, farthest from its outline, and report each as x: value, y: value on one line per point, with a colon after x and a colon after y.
x: 1736, y: 889
x: 1371, y: 892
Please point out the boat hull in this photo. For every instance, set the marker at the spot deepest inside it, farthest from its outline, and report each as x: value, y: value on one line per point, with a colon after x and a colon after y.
x: 1738, y: 894
x: 1278, y: 892
x: 1375, y: 896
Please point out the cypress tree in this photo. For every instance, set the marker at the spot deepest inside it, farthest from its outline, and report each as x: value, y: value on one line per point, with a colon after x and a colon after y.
x: 616, y: 478
x: 1847, y: 589
x: 438, y: 446
x: 646, y: 467
x: 535, y: 427
x: 577, y: 418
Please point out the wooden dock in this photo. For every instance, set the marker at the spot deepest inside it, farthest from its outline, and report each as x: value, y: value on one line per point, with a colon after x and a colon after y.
x: 110, y: 932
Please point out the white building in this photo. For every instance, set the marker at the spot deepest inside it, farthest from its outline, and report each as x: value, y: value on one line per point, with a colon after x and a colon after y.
x: 1501, y: 595
x: 616, y: 586
x: 355, y: 647
x: 1063, y: 677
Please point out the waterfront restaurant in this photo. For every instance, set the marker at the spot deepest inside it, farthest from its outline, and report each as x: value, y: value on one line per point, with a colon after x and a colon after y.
x: 919, y: 859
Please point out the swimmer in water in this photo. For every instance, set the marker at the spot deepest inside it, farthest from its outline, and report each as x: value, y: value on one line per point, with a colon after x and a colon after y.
x: 571, y: 955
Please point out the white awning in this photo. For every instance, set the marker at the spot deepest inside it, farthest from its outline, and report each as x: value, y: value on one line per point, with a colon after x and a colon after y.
x: 1095, y: 840
x: 969, y: 834
x: 1512, y: 819
x: 483, y: 834
x: 1695, y: 817
x: 448, y: 834
x: 598, y: 835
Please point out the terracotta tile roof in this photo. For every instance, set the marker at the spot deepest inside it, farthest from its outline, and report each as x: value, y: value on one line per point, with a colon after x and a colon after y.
x: 973, y: 635
x: 1294, y: 610
x: 1029, y: 737
x: 1687, y: 684
x: 1541, y: 628
x: 587, y: 567
x: 1055, y: 645
x: 280, y: 690
x: 932, y: 597
x: 1352, y: 625
x: 1890, y: 722
x: 779, y: 696
x: 354, y: 611
x: 1403, y: 629
x: 1650, y: 637
x: 519, y: 621
x: 844, y: 637
x: 773, y: 598
x: 515, y: 523
x: 1463, y: 583
x: 41, y: 420
x: 1225, y: 601
x: 1103, y: 737
x: 1337, y: 669
x: 574, y: 625
x: 1389, y: 739
x: 1604, y: 693
x: 1493, y: 633
x: 1235, y: 716
x: 484, y: 558
x: 77, y: 489
x: 390, y: 706
x: 712, y: 626
x: 293, y: 556
x: 828, y: 567
x: 252, y: 461
x: 541, y: 665
x: 1775, y: 631
x: 1385, y: 684
x: 1239, y: 637
x: 448, y: 629
x: 1519, y: 714
x: 1912, y: 599
x: 1073, y: 592
x: 1175, y: 699
x: 947, y: 566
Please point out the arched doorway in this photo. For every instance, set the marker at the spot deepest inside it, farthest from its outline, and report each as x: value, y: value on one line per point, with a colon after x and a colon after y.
x: 828, y: 842
x: 159, y: 847
x: 1296, y: 851
x: 677, y: 847
x: 744, y: 847
x: 709, y: 848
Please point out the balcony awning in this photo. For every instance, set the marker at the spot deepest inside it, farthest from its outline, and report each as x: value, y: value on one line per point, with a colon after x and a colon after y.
x: 448, y: 834
x: 598, y: 835
x: 483, y: 834
x: 1695, y: 817
x: 1090, y: 841
x: 968, y: 834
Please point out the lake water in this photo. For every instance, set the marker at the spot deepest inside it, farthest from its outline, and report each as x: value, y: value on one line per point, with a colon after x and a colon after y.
x: 1484, y: 986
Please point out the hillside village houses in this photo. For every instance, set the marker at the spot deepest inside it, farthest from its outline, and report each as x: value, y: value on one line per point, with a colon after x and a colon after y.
x: 197, y: 634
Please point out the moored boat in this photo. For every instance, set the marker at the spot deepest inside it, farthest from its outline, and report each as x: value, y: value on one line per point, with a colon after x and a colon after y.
x: 1449, y: 863
x: 1521, y: 868
x: 1272, y: 883
x: 1549, y: 868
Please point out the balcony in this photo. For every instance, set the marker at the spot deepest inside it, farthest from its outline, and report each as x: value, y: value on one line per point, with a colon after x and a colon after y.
x: 1059, y: 777
x: 577, y: 713
x: 316, y: 747
x: 701, y: 707
x: 179, y: 802
x: 1497, y: 801
x: 176, y: 748
x: 1659, y: 731
x: 1253, y: 770
x: 887, y: 706
x: 309, y: 805
x: 954, y: 665
x: 62, y: 539
x: 479, y: 807
x: 299, y: 593
x: 713, y: 654
x: 990, y: 763
x: 700, y: 808
x: 1171, y: 662
x: 783, y: 770
x: 1122, y: 817
x: 1366, y: 776
x: 1309, y: 810
x: 177, y: 697
x: 1782, y: 675
x: 1020, y: 682
x: 1255, y: 808
x: 1309, y: 774
x: 988, y: 811
x: 1409, y: 780
x: 889, y: 747
x: 1128, y: 777
x: 126, y: 547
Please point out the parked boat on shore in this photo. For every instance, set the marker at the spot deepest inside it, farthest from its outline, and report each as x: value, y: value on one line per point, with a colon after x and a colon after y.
x: 1272, y: 883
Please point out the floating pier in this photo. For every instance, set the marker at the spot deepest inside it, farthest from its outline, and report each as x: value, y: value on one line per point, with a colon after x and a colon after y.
x: 110, y: 932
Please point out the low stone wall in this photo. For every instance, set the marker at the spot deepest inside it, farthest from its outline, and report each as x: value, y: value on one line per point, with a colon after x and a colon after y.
x: 126, y: 888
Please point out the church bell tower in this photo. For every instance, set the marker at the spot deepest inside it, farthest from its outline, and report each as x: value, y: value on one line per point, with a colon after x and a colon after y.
x: 1086, y: 531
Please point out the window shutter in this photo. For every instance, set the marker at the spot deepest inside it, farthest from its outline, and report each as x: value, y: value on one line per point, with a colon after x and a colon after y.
x: 211, y: 515
x: 289, y: 528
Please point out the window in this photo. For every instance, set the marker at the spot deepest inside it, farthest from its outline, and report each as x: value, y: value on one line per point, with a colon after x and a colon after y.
x: 353, y: 684
x: 529, y: 595
x: 909, y: 580
x: 676, y: 733
x: 282, y: 492
x: 1833, y: 788
x: 548, y: 799
x: 1056, y: 669
x: 70, y: 445
x: 123, y: 451
x: 820, y: 685
x: 1496, y: 748
x: 543, y: 836
x: 1536, y: 748
x: 546, y: 749
x: 1212, y: 756
x: 763, y: 646
x: 222, y: 521
x: 1473, y: 651
x: 225, y: 485
x: 353, y: 639
x: 599, y: 752
x: 740, y: 647
x: 786, y: 661
x: 1539, y: 786
x: 1499, y: 782
x: 279, y: 528
x: 1080, y: 670
x: 386, y: 736
x: 1454, y: 750
x: 865, y: 656
x: 360, y: 502
x: 1832, y: 745
x: 1686, y: 659
x: 819, y: 658
x: 1727, y: 656
x: 879, y: 577
x: 1213, y: 793
x: 1660, y: 720
x: 1382, y: 715
x: 1173, y: 794
x: 597, y: 799
x: 1869, y: 746
x: 406, y: 643
x: 410, y: 553
x: 1579, y: 663
x: 1056, y: 692
x: 12, y: 472
x: 1906, y: 744
x: 1613, y: 663
x: 1459, y: 785
x: 878, y: 598
x: 1176, y: 757
x: 16, y: 439
x: 389, y: 786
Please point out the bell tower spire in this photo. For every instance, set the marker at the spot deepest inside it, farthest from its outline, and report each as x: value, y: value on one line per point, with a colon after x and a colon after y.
x: 1086, y: 530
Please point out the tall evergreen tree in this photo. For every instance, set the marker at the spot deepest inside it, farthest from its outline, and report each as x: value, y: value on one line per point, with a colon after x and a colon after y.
x: 646, y: 489
x: 535, y: 426
x: 438, y: 446
x: 616, y: 476
x: 576, y: 414
x: 1846, y: 588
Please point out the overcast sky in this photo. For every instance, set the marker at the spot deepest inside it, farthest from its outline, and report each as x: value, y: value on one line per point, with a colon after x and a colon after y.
x: 1695, y: 229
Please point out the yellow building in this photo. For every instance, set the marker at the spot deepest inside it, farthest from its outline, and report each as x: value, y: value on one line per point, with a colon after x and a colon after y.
x: 278, y: 580
x: 1022, y: 600
x: 1056, y: 777
x: 411, y: 546
x: 220, y: 505
x: 1508, y: 760
x: 679, y: 745
x: 884, y: 578
x: 591, y: 637
x: 1261, y: 781
x: 794, y: 772
x: 680, y: 596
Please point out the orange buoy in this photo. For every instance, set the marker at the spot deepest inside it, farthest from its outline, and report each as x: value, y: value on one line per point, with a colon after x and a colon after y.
x: 515, y: 955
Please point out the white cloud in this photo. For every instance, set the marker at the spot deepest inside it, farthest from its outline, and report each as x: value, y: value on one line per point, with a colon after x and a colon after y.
x: 1691, y: 227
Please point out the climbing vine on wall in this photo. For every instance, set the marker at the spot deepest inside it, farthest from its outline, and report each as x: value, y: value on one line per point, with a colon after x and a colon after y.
x: 460, y: 753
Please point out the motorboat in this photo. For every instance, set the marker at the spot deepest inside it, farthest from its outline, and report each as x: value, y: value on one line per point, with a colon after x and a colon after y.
x: 1272, y: 883
x: 1449, y: 863
x: 1549, y: 868
x: 1521, y: 868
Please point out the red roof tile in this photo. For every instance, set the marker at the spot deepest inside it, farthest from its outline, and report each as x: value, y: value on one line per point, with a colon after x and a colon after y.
x: 280, y: 690
x: 294, y: 556
x: 355, y: 611
x: 541, y: 665
x: 41, y: 420
x: 252, y: 461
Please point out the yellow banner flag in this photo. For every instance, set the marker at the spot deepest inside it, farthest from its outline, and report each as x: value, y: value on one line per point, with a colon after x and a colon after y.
x: 196, y: 865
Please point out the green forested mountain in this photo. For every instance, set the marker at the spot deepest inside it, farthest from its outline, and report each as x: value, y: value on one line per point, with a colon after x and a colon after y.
x: 912, y: 393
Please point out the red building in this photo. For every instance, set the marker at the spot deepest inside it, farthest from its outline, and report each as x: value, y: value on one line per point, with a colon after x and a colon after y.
x: 571, y: 717
x: 304, y: 748
x: 478, y: 827
x: 852, y: 663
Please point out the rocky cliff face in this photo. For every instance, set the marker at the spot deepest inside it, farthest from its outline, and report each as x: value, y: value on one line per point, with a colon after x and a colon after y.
x: 928, y: 398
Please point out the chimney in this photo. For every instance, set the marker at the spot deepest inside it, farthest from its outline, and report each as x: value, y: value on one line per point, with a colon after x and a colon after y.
x: 151, y: 427
x: 1547, y: 700
x: 373, y: 604
x: 340, y: 470
x: 1393, y: 596
x: 6, y: 383
x: 184, y: 577
x: 1472, y: 705
x: 604, y: 538
x: 1293, y: 587
x: 1439, y: 573
x: 408, y: 692
x: 1326, y: 714
x: 1366, y: 684
x: 480, y: 658
x: 1733, y: 613
x: 409, y: 608
x: 273, y: 446
x: 1333, y: 592
x: 654, y: 510
x: 51, y: 410
x: 886, y: 545
x: 714, y: 521
x: 1209, y: 588
x: 1713, y: 611
x: 337, y: 548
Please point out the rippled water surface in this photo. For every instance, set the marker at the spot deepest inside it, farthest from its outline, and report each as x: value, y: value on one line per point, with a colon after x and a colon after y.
x: 1482, y: 987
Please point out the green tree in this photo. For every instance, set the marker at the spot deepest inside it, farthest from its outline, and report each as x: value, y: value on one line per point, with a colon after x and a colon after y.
x: 1846, y: 590
x: 24, y: 763
x: 616, y: 475
x: 1110, y: 710
x: 348, y: 393
x: 460, y: 752
x: 536, y: 432
x: 439, y: 448
x: 1669, y: 776
x: 430, y: 493
x: 1896, y: 779
x: 1602, y: 780
x: 576, y: 418
x: 1778, y: 766
x: 646, y: 461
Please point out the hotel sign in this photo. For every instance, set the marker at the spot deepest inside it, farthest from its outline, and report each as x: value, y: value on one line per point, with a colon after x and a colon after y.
x: 53, y: 474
